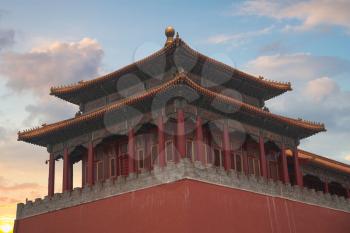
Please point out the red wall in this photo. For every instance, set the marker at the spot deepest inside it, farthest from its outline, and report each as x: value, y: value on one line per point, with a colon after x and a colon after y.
x: 189, y: 206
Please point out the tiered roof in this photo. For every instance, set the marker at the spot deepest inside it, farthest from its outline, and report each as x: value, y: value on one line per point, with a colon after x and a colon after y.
x: 89, y: 90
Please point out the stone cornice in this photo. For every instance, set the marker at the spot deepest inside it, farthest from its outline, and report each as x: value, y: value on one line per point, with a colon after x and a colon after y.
x: 175, y: 172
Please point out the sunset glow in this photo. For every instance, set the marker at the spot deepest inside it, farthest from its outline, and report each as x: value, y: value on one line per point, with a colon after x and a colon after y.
x: 6, y: 224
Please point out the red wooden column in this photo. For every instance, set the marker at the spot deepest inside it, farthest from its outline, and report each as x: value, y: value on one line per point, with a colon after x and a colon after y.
x: 148, y: 160
x: 325, y: 186
x: 83, y: 167
x: 226, y: 147
x: 90, y: 164
x: 262, y: 156
x: 209, y: 156
x: 199, y: 141
x: 65, y: 183
x: 245, y: 159
x: 117, y: 169
x: 180, y: 134
x: 161, y: 141
x: 285, y: 175
x: 51, y: 187
x: 297, y: 171
x: 131, y: 151
x: 70, y: 175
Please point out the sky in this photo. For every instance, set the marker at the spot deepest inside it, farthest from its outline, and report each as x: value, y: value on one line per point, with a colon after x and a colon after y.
x: 47, y: 43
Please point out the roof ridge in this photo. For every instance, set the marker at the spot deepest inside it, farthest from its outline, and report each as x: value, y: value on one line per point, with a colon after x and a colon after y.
x: 178, y: 78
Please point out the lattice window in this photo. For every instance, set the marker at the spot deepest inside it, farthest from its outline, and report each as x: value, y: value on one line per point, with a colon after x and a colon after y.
x: 273, y: 170
x: 141, y: 158
x: 254, y: 165
x: 239, y: 162
x: 123, y: 148
x: 208, y: 154
x: 99, y: 170
x: 112, y: 168
x: 217, y: 139
x: 190, y: 149
x: 218, y: 159
x: 154, y: 154
x: 140, y: 141
x: 169, y: 150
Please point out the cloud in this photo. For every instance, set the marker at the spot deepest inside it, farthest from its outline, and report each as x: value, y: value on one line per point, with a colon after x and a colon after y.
x: 12, y: 193
x: 347, y: 158
x: 48, y: 110
x: 310, y: 14
x: 9, y: 200
x: 7, y: 38
x: 298, y: 66
x: 20, y: 187
x: 320, y: 89
x: 4, y: 186
x: 237, y: 38
x: 55, y: 64
x: 273, y: 47
x: 3, y: 133
x: 316, y: 96
x: 50, y: 65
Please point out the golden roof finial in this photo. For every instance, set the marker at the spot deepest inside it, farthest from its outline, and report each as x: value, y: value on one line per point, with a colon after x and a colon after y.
x: 169, y: 32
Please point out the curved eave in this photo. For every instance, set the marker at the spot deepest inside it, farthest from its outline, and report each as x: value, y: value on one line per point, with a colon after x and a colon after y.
x: 30, y: 135
x: 67, y: 92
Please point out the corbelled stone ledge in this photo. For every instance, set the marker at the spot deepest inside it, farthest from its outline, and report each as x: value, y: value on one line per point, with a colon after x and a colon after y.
x: 185, y: 169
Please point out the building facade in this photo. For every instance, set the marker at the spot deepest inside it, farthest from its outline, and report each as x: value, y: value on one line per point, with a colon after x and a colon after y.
x: 176, y: 135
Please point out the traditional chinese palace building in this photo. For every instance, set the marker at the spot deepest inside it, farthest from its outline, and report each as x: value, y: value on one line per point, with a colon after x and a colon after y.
x: 179, y: 142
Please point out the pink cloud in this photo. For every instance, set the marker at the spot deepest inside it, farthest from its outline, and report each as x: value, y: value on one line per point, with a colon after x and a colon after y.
x: 321, y: 88
x: 311, y: 13
x: 297, y: 66
x: 54, y: 64
x: 13, y: 187
x: 9, y: 200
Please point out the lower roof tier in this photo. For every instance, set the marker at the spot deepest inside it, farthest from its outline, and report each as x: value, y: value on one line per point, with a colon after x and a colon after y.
x: 157, y: 98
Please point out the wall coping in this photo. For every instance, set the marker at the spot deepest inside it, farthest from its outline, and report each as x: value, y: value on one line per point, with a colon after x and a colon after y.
x: 184, y: 169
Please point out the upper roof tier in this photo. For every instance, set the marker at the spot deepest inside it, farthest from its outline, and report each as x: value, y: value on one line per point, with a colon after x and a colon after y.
x: 175, y: 55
